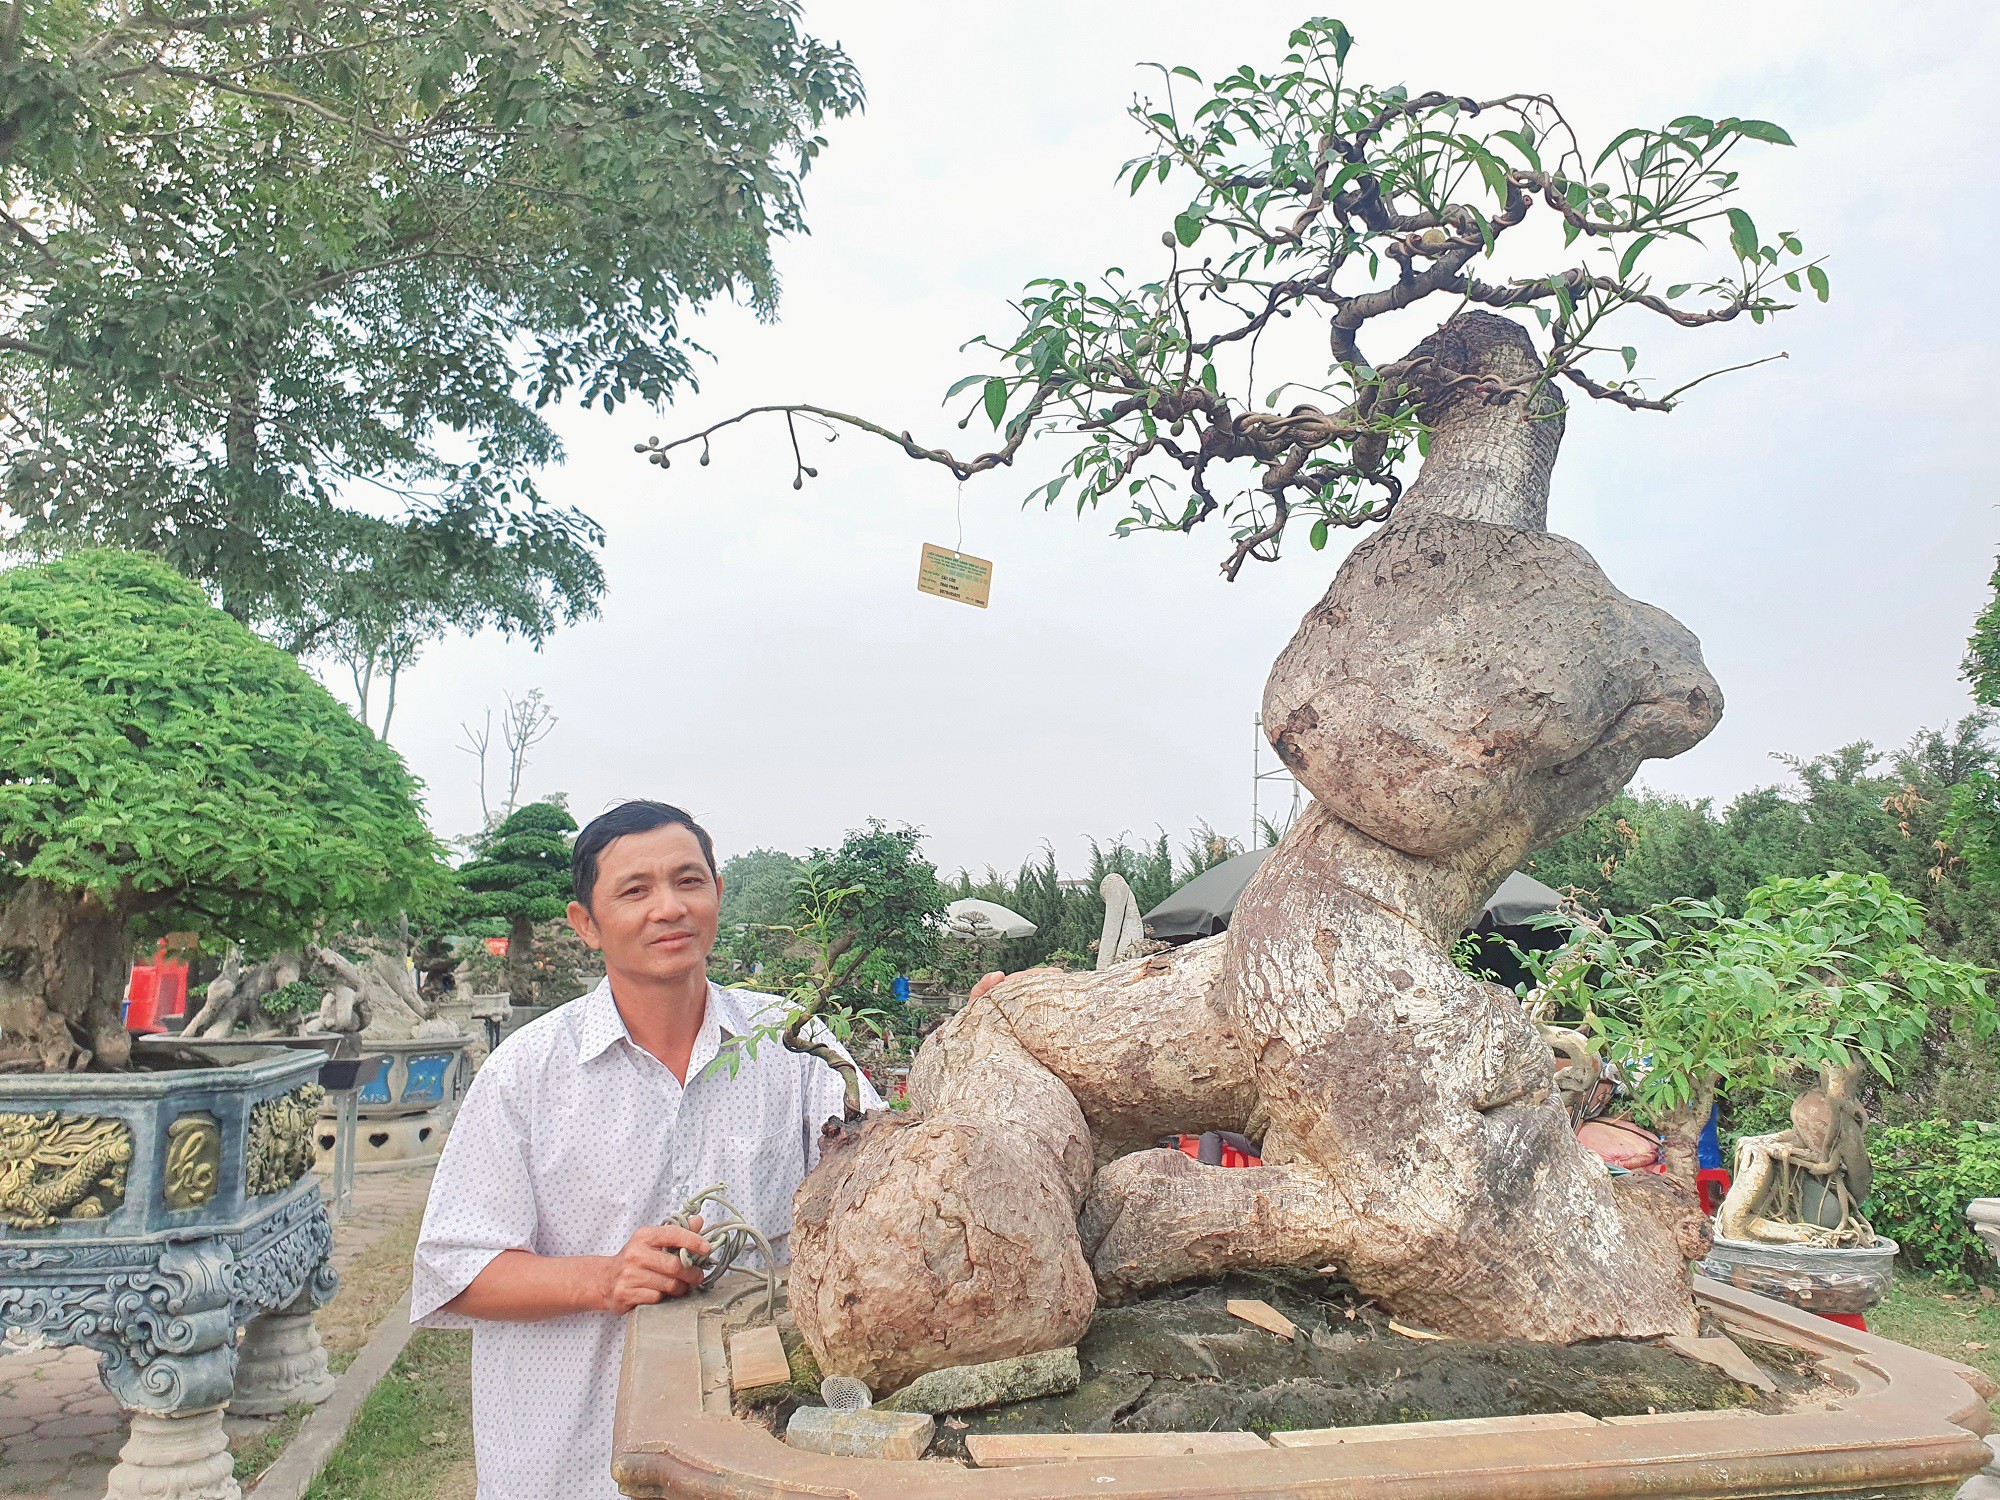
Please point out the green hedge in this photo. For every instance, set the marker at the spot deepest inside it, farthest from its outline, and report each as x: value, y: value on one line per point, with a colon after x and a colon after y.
x: 1925, y: 1173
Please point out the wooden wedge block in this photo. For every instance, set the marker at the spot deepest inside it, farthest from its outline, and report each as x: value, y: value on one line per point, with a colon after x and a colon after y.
x: 1002, y: 1450
x: 1263, y: 1315
x: 1722, y: 1352
x: 757, y: 1357
x: 1327, y: 1437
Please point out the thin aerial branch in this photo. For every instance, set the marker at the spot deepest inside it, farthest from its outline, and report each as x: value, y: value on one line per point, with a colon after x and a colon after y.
x: 964, y: 468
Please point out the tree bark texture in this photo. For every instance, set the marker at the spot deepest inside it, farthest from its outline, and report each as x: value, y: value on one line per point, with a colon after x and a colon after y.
x: 1469, y: 688
x: 521, y: 959
x: 65, y: 961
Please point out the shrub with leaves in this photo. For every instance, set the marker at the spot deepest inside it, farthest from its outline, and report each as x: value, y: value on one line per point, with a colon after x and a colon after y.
x: 520, y: 875
x: 1820, y: 973
x: 1925, y: 1174
x: 162, y: 766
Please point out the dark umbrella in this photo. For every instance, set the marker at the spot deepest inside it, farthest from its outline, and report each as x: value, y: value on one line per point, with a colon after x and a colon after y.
x: 1203, y: 906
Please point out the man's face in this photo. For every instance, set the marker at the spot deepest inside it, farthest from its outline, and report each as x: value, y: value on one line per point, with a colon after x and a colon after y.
x: 653, y: 910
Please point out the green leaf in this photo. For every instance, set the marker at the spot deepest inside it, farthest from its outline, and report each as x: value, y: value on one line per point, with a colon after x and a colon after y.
x: 1318, y: 536
x: 1762, y: 130
x: 1632, y: 252
x: 1188, y: 227
x: 1631, y: 357
x: 1742, y: 234
x: 1679, y: 288
x: 959, y: 385
x: 996, y: 400
x: 1817, y: 278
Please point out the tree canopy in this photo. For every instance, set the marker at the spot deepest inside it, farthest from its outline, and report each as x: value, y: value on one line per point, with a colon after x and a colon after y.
x: 1305, y: 191
x: 158, y: 755
x: 522, y: 868
x: 286, y: 289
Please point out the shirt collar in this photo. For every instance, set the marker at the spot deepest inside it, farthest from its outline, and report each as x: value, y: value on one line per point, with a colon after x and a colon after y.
x: 599, y: 1024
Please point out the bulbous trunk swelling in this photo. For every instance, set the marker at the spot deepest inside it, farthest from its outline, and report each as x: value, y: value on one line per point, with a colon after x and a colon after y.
x: 64, y: 965
x: 1469, y: 688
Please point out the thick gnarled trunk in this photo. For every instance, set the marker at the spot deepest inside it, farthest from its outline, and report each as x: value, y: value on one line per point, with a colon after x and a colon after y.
x: 521, y: 959
x: 1469, y: 688
x: 65, y: 960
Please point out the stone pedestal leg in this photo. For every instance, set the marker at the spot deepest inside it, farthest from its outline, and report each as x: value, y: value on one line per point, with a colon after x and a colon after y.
x: 183, y: 1457
x: 280, y: 1363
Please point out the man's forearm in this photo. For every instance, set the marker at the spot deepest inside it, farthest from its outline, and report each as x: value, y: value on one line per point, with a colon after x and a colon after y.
x: 519, y: 1286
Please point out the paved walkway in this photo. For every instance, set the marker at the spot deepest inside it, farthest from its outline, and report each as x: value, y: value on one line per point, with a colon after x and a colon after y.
x: 60, y: 1431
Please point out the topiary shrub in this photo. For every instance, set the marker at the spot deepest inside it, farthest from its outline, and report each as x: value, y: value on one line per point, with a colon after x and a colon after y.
x: 162, y: 765
x: 520, y: 876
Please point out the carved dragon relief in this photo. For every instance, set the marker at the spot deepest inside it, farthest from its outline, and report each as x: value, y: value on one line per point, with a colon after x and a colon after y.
x: 55, y: 1167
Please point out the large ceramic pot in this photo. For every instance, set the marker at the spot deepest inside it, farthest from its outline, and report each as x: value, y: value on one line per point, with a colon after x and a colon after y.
x: 1890, y: 1422
x: 154, y: 1215
x: 404, y: 1114
x: 1983, y: 1214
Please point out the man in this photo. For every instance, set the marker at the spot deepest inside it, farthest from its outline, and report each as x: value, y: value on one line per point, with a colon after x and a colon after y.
x: 582, y: 1133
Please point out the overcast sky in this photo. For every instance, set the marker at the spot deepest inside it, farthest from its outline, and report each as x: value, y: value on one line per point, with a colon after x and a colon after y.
x: 1825, y: 525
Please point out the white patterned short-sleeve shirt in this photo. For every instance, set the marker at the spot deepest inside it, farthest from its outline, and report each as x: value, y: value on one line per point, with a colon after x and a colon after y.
x: 571, y: 1139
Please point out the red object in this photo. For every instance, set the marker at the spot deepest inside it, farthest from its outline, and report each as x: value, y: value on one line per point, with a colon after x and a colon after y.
x: 157, y: 991
x: 1847, y: 1320
x: 1217, y: 1148
x: 497, y: 947
x: 1713, y: 1185
x: 142, y: 1001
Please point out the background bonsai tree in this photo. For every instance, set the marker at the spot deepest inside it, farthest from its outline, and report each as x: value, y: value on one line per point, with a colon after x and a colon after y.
x: 519, y: 876
x: 1824, y: 975
x: 163, y: 767
x: 1469, y: 688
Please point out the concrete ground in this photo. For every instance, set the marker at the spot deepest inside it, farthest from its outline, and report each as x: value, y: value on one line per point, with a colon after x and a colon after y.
x: 60, y: 1431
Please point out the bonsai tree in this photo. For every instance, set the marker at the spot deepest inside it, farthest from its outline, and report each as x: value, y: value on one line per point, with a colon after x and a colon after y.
x: 521, y: 876
x: 1469, y: 688
x: 162, y: 767
x: 1824, y: 975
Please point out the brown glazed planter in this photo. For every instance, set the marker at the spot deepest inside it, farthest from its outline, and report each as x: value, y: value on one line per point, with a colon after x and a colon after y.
x: 1907, y: 1424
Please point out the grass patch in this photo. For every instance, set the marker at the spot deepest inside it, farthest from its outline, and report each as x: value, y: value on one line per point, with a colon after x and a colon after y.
x: 369, y: 1287
x: 412, y: 1438
x: 1959, y: 1322
x: 253, y: 1453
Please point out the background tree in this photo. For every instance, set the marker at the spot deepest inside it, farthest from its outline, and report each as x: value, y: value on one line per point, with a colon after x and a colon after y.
x: 520, y: 875
x: 284, y: 291
x: 162, y: 767
x: 758, y: 889
x: 888, y: 925
x: 524, y: 724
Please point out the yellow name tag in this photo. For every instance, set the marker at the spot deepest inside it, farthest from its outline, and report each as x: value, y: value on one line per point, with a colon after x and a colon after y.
x: 954, y: 575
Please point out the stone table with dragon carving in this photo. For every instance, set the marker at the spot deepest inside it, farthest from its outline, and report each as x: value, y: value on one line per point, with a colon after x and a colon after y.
x: 152, y: 1216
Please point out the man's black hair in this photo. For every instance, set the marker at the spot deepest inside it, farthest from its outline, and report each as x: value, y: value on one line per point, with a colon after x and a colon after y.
x: 627, y: 817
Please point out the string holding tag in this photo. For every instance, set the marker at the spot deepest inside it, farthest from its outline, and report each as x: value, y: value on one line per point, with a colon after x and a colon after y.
x: 955, y: 574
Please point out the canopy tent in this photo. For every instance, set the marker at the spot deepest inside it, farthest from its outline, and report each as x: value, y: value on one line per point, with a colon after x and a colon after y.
x: 1202, y: 907
x: 988, y: 921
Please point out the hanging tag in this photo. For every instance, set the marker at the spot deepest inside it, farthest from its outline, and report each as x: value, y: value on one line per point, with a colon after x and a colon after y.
x: 954, y: 575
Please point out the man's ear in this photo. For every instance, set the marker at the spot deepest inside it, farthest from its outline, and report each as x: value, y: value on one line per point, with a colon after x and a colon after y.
x: 581, y: 924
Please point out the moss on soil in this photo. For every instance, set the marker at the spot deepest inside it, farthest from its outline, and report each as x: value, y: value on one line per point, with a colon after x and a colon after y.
x: 1177, y: 1361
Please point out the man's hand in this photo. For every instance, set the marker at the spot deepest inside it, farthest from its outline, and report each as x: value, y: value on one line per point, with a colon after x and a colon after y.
x: 986, y: 985
x: 519, y: 1286
x: 650, y: 1269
